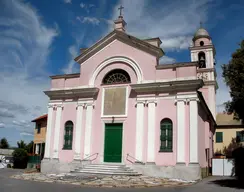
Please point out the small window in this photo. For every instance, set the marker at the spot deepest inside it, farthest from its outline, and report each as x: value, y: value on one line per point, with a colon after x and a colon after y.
x: 166, y: 137
x: 68, y: 135
x: 201, y: 43
x: 219, y: 137
x: 240, y: 136
x: 39, y: 128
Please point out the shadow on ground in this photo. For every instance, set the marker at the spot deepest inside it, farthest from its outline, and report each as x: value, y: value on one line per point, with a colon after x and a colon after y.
x: 232, y: 183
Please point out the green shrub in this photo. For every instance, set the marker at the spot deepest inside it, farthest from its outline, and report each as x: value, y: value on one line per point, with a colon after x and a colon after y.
x: 20, y: 158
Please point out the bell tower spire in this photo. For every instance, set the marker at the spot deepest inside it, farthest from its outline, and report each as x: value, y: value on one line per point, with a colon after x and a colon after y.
x: 119, y: 24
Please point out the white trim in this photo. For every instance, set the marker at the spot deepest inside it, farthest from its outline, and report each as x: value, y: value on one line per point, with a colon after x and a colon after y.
x: 49, y: 132
x: 193, y: 132
x: 180, y: 131
x: 78, y: 131
x: 169, y: 80
x: 99, y: 50
x: 139, y: 131
x: 126, y: 101
x: 126, y: 60
x: 88, y: 131
x: 70, y: 88
x: 151, y: 132
x: 57, y: 132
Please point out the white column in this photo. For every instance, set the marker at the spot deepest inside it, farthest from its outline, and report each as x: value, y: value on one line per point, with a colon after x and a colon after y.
x: 181, y: 131
x: 139, y: 130
x: 49, y: 132
x: 193, y: 131
x: 57, y: 131
x: 151, y: 132
x: 88, y: 130
x: 78, y: 130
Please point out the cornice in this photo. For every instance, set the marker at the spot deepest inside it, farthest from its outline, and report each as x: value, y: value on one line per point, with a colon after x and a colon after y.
x: 173, y: 86
x: 176, y: 65
x: 72, y: 93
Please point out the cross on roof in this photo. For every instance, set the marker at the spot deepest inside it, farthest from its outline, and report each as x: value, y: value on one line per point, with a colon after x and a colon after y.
x: 201, y: 24
x: 120, y: 10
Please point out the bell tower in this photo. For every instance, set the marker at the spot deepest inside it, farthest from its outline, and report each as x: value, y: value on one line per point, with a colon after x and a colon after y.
x: 203, y: 52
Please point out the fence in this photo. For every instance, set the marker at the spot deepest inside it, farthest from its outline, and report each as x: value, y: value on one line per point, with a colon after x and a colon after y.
x: 222, y: 167
x: 33, y: 161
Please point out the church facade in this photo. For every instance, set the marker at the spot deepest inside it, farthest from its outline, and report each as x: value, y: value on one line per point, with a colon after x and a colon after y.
x: 123, y: 107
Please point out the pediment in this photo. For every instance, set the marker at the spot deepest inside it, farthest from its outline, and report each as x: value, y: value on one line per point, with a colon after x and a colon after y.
x: 123, y: 37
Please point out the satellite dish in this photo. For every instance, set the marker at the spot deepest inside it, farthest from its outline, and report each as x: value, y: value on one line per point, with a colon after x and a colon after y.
x: 3, y: 163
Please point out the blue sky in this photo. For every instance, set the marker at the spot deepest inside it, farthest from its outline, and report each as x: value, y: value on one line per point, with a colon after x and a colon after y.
x: 41, y: 38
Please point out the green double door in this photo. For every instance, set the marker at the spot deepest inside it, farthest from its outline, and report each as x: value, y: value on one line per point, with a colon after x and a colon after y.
x: 113, y: 142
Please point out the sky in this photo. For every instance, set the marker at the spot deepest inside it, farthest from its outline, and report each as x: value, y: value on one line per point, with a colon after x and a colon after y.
x: 41, y: 38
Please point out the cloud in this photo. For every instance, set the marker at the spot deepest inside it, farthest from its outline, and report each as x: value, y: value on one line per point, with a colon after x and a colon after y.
x: 24, y: 50
x: 175, y: 23
x: 91, y: 20
x: 26, y: 134
x: 87, y: 7
x: 166, y: 60
x: 68, y: 1
x: 73, y: 52
x: 2, y: 125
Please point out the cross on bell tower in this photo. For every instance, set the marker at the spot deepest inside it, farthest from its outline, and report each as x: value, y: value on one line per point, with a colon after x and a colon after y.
x: 119, y: 24
x: 120, y: 10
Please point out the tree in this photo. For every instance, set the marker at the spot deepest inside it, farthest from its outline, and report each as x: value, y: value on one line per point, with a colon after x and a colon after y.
x: 233, y: 74
x: 20, y: 158
x: 235, y: 143
x: 29, y: 147
x: 4, y: 143
x: 21, y: 144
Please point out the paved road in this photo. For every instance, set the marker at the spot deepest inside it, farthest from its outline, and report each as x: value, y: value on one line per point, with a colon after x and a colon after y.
x: 213, y: 184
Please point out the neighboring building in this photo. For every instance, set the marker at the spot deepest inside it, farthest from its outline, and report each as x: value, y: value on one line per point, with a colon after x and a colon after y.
x: 227, y: 128
x: 123, y: 102
x: 40, y: 134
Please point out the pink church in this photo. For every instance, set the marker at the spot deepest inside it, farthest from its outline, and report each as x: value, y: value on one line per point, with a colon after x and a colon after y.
x: 124, y: 109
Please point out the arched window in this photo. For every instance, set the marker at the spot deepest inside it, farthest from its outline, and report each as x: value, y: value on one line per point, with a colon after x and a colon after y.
x: 116, y: 76
x: 166, y: 137
x: 201, y: 60
x: 68, y: 135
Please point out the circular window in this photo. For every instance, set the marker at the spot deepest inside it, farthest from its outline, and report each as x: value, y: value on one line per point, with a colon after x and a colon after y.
x: 201, y: 43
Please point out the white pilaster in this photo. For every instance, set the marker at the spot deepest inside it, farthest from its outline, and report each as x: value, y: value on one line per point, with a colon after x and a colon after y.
x: 151, y: 132
x: 194, y: 131
x: 181, y: 131
x: 139, y: 129
x: 88, y: 130
x: 57, y: 131
x: 49, y: 132
x: 78, y: 131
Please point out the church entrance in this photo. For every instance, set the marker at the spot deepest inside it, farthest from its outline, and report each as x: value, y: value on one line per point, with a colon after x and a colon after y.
x: 113, y: 142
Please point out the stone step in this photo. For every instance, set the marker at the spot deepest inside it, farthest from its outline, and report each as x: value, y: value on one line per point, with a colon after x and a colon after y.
x: 105, y: 165
x: 106, y: 169
x: 131, y: 173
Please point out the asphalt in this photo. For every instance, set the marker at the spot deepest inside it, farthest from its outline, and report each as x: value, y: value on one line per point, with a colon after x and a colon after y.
x: 216, y: 184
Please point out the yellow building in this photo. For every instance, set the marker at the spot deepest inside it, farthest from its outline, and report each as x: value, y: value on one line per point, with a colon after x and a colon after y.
x: 40, y: 134
x: 227, y: 128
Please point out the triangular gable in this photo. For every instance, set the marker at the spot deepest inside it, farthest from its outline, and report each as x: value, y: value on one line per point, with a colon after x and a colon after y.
x: 125, y: 38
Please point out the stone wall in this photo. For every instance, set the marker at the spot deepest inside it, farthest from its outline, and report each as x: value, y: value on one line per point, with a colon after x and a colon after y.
x: 6, y: 152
